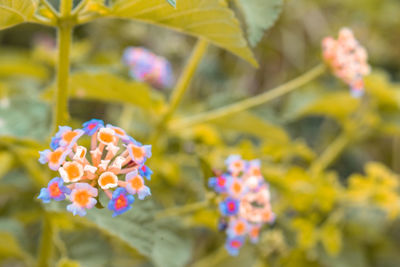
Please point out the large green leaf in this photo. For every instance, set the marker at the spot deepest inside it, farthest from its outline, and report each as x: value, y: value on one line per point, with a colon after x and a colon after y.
x: 104, y: 86
x: 338, y: 105
x: 19, y: 64
x: 259, y: 15
x: 13, y: 12
x: 24, y: 117
x: 172, y: 2
x: 162, y: 241
x: 246, y: 122
x: 209, y: 19
x: 11, y: 234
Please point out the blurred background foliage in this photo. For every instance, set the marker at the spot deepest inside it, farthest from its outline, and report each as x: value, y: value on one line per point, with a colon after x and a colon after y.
x: 331, y: 160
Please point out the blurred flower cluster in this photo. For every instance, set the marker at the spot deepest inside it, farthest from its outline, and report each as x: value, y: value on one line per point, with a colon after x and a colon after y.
x: 148, y: 67
x: 245, y: 204
x: 348, y: 59
x: 113, y: 155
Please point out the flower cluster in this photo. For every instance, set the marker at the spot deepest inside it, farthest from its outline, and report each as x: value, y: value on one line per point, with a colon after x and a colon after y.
x: 114, y: 163
x: 348, y: 59
x: 148, y: 67
x: 245, y: 204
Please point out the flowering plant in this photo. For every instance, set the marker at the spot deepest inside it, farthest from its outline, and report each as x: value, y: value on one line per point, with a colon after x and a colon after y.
x: 245, y: 201
x: 112, y: 154
x: 348, y: 59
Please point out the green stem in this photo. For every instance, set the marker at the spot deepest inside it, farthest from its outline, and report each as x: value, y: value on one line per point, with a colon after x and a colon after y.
x: 64, y: 35
x: 182, y: 85
x: 250, y: 102
x: 46, y: 243
x: 330, y: 153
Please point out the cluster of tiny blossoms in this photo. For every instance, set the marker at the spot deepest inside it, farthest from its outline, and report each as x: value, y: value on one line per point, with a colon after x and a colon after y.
x: 148, y: 67
x: 245, y: 203
x: 348, y: 59
x: 114, y: 163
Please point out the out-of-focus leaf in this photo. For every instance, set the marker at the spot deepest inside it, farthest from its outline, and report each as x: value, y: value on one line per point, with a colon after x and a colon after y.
x: 68, y: 263
x: 169, y: 243
x: 11, y: 232
x: 20, y: 66
x: 209, y: 19
x: 383, y: 91
x: 246, y: 122
x: 338, y: 106
x: 205, y: 133
x: 156, y: 239
x: 331, y: 238
x: 260, y: 15
x: 25, y: 117
x: 172, y: 2
x: 88, y: 247
x: 104, y: 86
x: 13, y: 12
x: 379, y: 188
x: 96, y: 6
x: 279, y: 151
x: 9, y: 246
x: 6, y: 162
x: 306, y: 233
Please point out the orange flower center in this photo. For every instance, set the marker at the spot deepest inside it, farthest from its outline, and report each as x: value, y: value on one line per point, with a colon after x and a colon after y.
x: 82, y: 197
x: 119, y: 131
x: 136, y: 182
x: 239, y: 228
x: 55, y: 156
x: 254, y: 232
x: 72, y: 171
x: 137, y: 152
x: 107, y: 179
x: 256, y: 172
x: 68, y: 136
x: 106, y: 137
x: 237, y: 187
x: 238, y: 164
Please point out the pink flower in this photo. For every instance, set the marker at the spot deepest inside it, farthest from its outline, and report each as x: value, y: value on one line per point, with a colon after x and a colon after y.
x: 113, y: 155
x: 347, y: 59
x: 135, y: 185
x: 82, y: 198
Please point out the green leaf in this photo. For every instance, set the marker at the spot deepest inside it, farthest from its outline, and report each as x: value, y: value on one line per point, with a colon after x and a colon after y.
x: 24, y: 117
x: 21, y: 66
x: 11, y: 232
x: 7, y: 162
x: 172, y: 2
x: 246, y: 122
x: 107, y: 87
x: 13, y: 12
x: 260, y: 15
x: 68, y: 263
x: 338, y: 106
x: 87, y: 246
x: 208, y: 19
x: 331, y: 238
x: 162, y: 241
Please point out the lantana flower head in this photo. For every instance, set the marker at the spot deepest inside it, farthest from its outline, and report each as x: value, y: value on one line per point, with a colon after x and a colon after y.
x: 244, y: 201
x: 148, y: 67
x: 347, y: 59
x: 113, y: 164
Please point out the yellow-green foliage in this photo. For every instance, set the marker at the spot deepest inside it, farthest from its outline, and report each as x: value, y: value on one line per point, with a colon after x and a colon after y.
x: 331, y: 160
